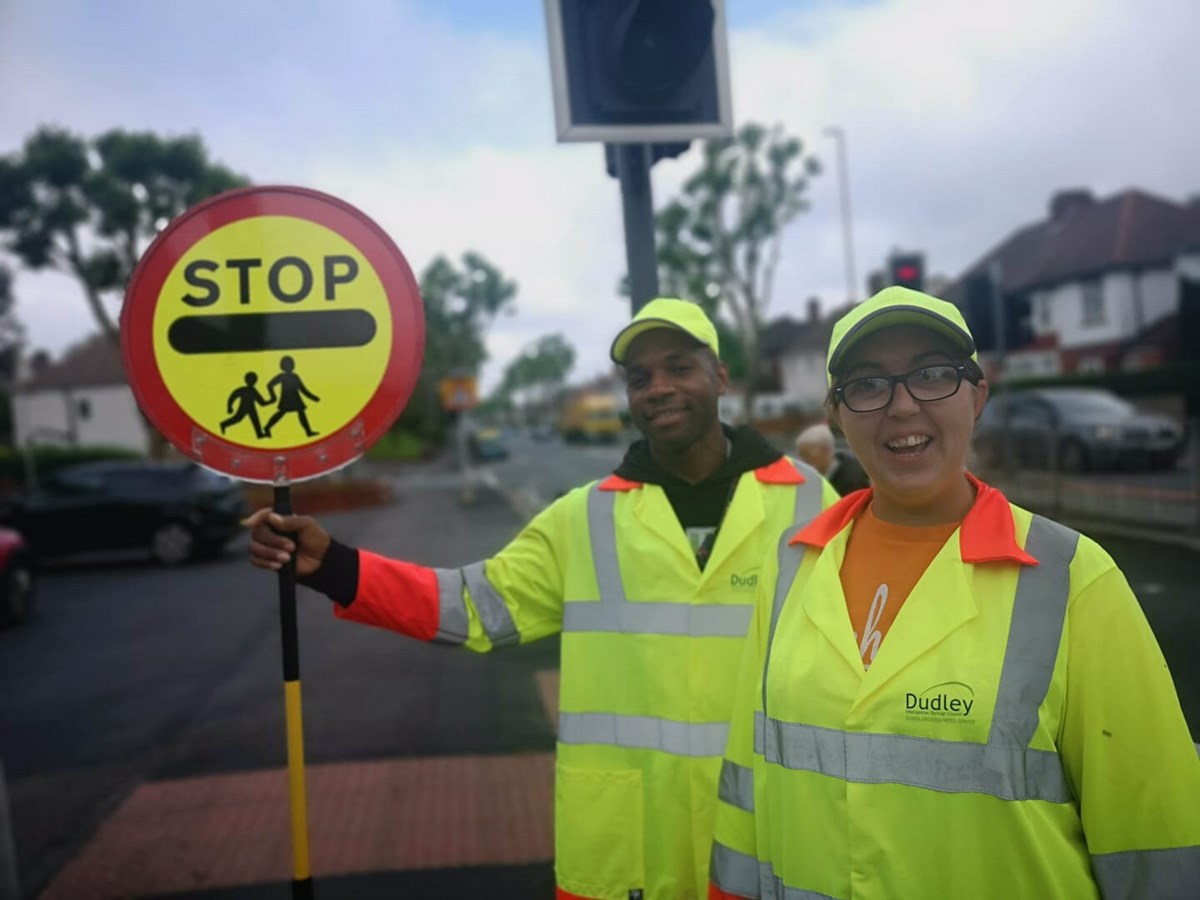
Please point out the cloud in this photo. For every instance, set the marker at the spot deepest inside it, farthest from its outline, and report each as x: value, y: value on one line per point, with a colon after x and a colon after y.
x: 960, y: 121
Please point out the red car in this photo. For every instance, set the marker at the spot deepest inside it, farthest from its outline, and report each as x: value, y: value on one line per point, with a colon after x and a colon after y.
x: 16, y: 578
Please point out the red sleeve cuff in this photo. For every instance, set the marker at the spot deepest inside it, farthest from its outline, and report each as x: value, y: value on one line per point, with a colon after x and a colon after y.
x: 399, y: 596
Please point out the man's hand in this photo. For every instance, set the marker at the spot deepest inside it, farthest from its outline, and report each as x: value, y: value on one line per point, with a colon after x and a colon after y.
x: 270, y: 550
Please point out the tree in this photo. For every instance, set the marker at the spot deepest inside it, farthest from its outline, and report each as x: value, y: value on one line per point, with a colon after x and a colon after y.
x: 90, y: 208
x: 538, y: 372
x: 719, y: 241
x: 460, y: 303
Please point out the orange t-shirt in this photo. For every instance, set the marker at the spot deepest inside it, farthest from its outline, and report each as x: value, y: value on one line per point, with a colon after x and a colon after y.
x: 883, y: 564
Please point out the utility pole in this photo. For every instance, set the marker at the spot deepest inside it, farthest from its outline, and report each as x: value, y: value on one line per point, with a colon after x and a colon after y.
x: 839, y: 136
x: 632, y: 164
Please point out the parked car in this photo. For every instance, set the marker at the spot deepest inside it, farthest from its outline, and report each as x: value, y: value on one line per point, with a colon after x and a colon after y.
x: 1078, y: 429
x: 17, y: 578
x: 173, y: 511
x: 487, y: 445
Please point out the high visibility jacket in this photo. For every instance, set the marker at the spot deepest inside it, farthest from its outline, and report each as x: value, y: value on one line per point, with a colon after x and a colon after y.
x: 1017, y: 734
x: 650, y: 650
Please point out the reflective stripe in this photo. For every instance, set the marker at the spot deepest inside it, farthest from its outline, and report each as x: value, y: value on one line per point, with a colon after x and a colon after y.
x: 614, y: 612
x: 1004, y: 767
x: 1039, y: 611
x: 808, y: 505
x: 790, y: 559
x: 1010, y: 773
x: 697, y: 620
x: 1165, y: 874
x: 734, y: 872
x: 643, y: 733
x: 736, y: 785
x: 773, y: 888
x: 602, y: 530
x: 497, y: 621
x: 452, y: 609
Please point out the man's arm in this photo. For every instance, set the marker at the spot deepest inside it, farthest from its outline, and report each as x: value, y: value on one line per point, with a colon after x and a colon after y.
x: 514, y: 597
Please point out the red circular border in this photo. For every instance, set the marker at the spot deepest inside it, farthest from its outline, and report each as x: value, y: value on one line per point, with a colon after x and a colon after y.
x: 294, y: 464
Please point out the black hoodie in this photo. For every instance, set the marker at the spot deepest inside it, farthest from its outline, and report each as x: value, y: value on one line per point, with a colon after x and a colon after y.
x: 701, y: 505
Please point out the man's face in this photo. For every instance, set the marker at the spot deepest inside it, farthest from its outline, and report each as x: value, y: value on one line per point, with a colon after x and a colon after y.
x: 672, y: 384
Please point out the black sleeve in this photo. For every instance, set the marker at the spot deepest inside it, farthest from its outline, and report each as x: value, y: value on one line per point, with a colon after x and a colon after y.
x: 337, y: 578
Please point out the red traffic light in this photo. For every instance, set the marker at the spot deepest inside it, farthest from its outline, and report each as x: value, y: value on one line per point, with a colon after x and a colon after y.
x: 908, y: 270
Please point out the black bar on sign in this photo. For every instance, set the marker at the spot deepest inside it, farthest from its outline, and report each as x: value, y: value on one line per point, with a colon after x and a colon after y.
x: 315, y: 330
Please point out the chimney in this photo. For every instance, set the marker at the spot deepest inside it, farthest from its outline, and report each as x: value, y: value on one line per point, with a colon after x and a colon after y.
x: 814, y: 310
x: 1066, y: 204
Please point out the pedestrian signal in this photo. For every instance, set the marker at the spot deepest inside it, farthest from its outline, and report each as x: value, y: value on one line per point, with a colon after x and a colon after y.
x: 639, y: 71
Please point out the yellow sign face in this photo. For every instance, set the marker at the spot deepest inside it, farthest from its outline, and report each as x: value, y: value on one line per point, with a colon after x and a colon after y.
x: 458, y: 393
x: 272, y: 332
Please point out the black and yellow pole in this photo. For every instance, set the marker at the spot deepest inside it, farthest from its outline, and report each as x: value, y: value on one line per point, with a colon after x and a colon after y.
x: 302, y: 886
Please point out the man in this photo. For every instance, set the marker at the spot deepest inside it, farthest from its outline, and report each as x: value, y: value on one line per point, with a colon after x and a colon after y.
x: 650, y: 576
x: 815, y: 446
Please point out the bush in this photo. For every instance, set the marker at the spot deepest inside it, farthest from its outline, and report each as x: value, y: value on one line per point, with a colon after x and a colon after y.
x: 400, y: 445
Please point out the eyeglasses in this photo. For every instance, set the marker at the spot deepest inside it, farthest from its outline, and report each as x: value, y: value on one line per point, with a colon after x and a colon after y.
x: 925, y: 384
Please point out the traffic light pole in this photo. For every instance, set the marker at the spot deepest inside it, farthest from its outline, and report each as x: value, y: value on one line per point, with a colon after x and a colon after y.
x: 637, y: 203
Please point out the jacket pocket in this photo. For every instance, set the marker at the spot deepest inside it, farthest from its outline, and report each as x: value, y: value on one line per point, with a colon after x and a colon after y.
x: 598, y: 831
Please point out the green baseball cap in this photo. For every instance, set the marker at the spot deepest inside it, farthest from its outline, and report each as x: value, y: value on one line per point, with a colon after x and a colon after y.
x: 666, y: 312
x: 898, y: 306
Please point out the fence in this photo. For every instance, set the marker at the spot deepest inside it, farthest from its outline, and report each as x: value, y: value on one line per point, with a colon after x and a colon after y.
x: 1135, y: 495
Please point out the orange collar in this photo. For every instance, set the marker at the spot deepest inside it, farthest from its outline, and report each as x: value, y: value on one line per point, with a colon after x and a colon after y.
x: 987, y: 533
x: 779, y: 472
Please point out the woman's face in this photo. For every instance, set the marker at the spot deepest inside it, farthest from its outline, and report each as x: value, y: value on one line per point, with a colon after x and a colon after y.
x: 914, y: 452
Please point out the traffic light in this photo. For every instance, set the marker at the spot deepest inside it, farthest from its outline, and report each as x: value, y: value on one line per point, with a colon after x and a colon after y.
x: 907, y: 270
x: 639, y: 71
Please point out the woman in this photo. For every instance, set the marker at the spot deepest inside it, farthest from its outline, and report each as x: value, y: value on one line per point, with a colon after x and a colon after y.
x: 943, y: 695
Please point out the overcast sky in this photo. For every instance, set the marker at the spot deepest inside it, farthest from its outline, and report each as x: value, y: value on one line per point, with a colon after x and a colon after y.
x: 434, y: 117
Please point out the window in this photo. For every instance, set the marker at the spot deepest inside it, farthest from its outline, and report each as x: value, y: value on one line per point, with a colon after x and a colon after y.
x: 1043, y: 314
x: 1093, y: 304
x: 85, y: 409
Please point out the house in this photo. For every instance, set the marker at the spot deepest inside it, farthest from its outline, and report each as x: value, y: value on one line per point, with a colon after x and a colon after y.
x: 1097, y: 286
x: 800, y: 361
x: 83, y: 400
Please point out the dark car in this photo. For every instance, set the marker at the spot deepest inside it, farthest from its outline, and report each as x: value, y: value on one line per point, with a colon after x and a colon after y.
x: 1076, y: 429
x: 17, y: 579
x: 173, y: 511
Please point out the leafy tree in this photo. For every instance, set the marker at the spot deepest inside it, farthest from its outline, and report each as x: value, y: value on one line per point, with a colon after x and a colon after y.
x: 461, y: 301
x: 89, y: 208
x: 538, y: 372
x: 719, y: 241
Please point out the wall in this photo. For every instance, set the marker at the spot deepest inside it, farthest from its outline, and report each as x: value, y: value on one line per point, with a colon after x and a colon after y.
x: 111, y: 418
x: 802, y: 376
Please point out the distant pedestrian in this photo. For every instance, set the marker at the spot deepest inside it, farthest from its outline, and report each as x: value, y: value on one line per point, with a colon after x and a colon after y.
x: 649, y: 574
x: 243, y: 403
x: 817, y: 447
x: 291, y: 396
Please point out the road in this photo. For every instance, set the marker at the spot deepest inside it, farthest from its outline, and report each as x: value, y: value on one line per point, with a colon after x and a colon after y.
x: 134, y: 682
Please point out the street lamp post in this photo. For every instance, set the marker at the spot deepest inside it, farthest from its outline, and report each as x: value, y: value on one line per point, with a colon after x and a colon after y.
x: 839, y: 135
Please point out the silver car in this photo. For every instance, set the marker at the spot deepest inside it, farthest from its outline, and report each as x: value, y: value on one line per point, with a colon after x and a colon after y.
x: 1075, y: 429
